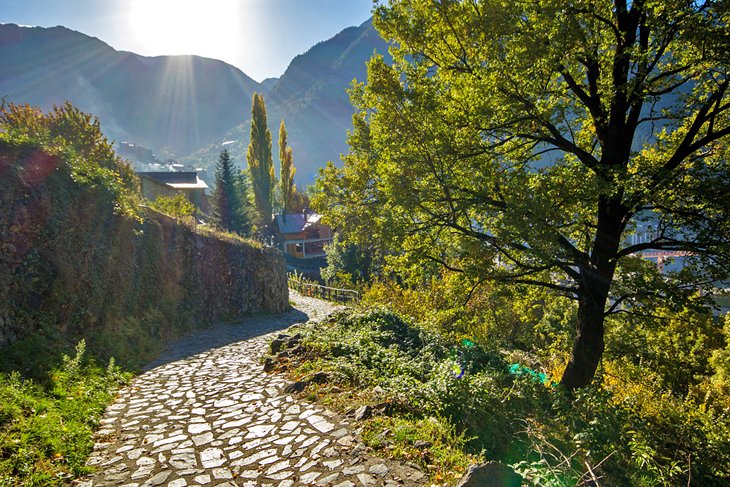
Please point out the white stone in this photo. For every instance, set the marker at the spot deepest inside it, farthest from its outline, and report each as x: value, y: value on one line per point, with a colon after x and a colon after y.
x: 223, y: 403
x: 212, y: 457
x: 222, y: 474
x: 259, y: 431
x: 194, y: 429
x: 366, y: 479
x: 332, y: 464
x: 328, y: 479
x: 158, y: 479
x: 309, y: 477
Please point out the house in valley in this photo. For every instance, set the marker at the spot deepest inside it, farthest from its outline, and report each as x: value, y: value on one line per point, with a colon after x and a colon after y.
x: 169, y: 183
x: 303, y: 237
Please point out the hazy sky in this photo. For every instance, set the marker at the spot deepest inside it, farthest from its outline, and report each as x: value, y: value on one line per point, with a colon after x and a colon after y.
x: 258, y: 36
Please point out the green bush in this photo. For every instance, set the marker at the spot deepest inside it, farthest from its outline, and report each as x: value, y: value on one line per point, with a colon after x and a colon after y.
x: 628, y: 428
x: 178, y: 206
x: 46, y: 428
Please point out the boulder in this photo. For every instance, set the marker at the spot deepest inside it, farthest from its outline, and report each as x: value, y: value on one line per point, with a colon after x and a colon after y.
x: 296, y: 387
x: 363, y: 412
x: 320, y: 378
x: 276, y: 345
x: 490, y: 474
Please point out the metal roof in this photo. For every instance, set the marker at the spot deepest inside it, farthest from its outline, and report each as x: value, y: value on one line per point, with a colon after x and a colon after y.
x: 296, y: 222
x: 177, y: 180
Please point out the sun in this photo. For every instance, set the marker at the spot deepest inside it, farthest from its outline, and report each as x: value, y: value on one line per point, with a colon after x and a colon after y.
x: 206, y: 28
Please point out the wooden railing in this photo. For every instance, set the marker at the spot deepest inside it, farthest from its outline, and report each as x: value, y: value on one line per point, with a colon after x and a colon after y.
x: 323, y: 292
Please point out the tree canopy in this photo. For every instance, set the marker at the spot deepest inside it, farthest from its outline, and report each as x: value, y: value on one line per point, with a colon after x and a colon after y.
x: 527, y: 141
x: 259, y: 160
x: 286, y: 171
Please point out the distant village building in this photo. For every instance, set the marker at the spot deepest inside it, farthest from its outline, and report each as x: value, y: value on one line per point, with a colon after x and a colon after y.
x: 303, y: 238
x: 303, y: 235
x: 167, y: 183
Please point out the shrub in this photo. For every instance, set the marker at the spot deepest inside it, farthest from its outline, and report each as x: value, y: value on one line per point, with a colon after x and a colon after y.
x: 45, y: 428
x: 178, y: 206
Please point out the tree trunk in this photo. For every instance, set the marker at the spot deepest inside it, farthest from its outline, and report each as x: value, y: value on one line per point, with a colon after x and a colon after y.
x: 596, y: 278
x: 588, y: 346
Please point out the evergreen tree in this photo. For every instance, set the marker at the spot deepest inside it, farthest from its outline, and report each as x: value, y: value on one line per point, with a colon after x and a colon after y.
x: 223, y: 193
x: 260, y: 164
x: 286, y: 171
x: 227, y: 209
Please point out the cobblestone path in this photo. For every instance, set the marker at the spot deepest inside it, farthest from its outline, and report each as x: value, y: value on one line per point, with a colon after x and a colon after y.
x: 205, y: 413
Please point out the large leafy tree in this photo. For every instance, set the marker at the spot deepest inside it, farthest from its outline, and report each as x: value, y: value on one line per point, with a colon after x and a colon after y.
x: 525, y: 141
x: 259, y: 160
x: 286, y: 171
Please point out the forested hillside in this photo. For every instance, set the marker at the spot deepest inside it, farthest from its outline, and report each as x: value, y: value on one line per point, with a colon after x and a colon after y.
x: 311, y: 96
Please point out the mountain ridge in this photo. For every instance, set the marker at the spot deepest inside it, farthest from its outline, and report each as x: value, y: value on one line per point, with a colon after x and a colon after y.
x: 154, y: 101
x: 312, y: 99
x: 185, y: 107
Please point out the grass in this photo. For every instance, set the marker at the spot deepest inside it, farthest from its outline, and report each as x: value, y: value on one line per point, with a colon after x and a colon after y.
x: 430, y: 442
x: 46, y: 427
x: 442, y: 404
x: 402, y: 371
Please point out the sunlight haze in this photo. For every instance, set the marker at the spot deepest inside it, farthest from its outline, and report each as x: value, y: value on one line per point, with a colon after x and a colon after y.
x: 260, y: 37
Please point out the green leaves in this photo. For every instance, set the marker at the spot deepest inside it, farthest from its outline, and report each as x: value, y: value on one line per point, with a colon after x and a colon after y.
x: 45, y: 432
x: 526, y: 142
x: 69, y: 140
x: 287, y: 188
x: 259, y: 160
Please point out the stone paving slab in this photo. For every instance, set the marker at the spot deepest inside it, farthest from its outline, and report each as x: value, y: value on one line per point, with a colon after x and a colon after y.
x: 205, y: 413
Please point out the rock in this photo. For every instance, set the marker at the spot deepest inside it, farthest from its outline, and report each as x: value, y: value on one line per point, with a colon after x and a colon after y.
x: 276, y: 345
x: 491, y: 474
x: 158, y: 479
x: 358, y: 451
x: 422, y: 445
x: 297, y: 386
x: 384, y: 408
x: 294, y: 341
x: 384, y: 435
x: 320, y: 378
x: 268, y: 364
x: 379, y: 469
x: 363, y: 412
x: 298, y: 350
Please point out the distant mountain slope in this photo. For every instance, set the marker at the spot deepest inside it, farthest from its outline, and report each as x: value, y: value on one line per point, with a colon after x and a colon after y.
x: 311, y: 97
x: 187, y: 106
x: 172, y: 104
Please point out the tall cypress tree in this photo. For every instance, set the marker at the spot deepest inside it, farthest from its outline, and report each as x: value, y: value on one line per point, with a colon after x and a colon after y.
x: 245, y: 212
x: 259, y: 160
x: 286, y: 171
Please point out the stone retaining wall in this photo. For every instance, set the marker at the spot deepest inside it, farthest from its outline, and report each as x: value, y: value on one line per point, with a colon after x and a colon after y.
x: 70, y: 267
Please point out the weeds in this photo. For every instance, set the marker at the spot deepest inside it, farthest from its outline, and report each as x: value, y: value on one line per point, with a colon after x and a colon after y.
x: 46, y: 428
x: 443, y: 403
